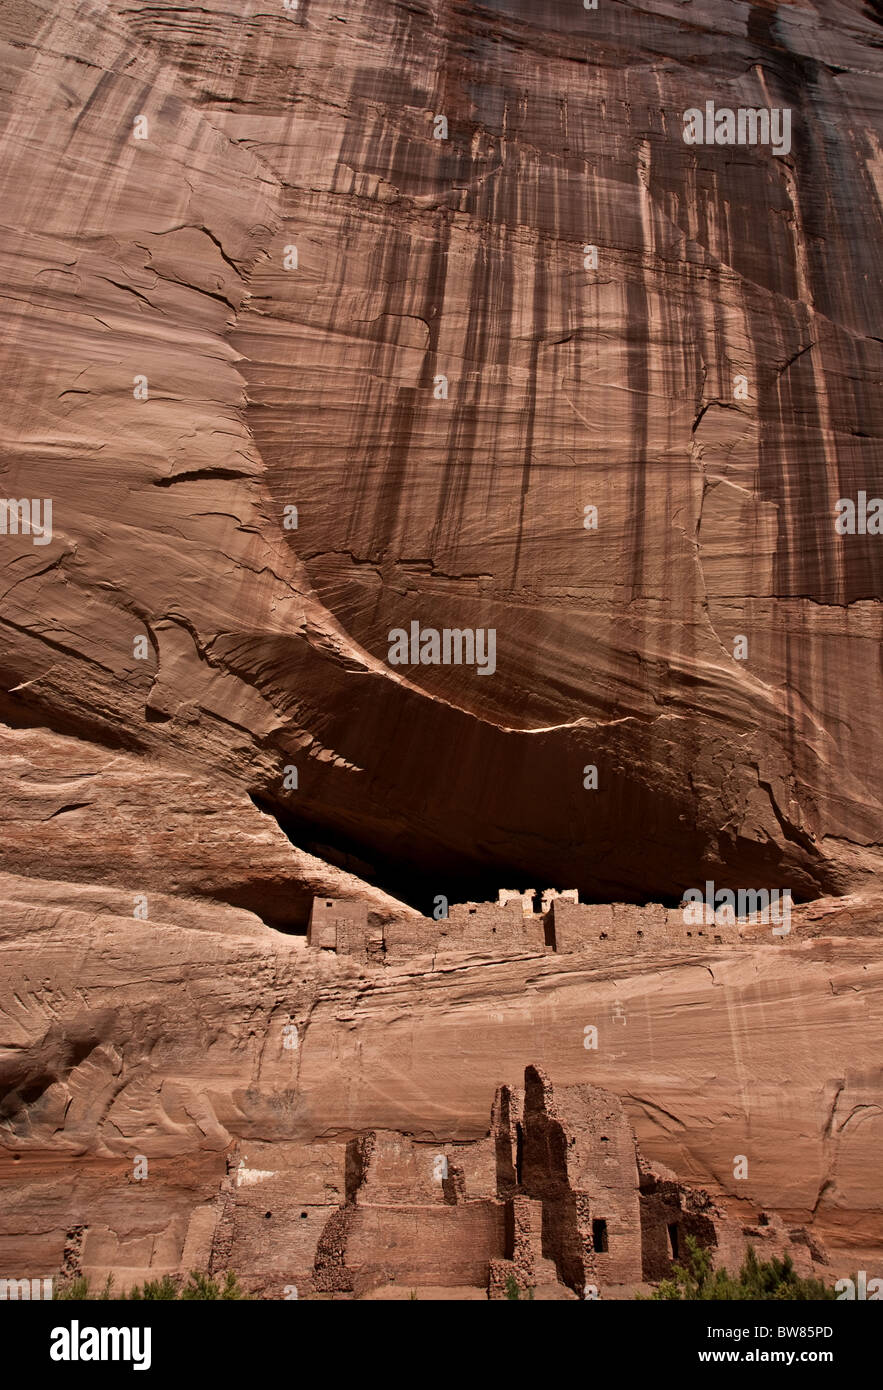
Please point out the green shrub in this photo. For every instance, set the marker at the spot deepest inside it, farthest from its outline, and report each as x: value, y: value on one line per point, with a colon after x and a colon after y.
x: 512, y: 1289
x: 757, y: 1279
x: 198, y: 1286
x: 77, y: 1289
x: 155, y: 1289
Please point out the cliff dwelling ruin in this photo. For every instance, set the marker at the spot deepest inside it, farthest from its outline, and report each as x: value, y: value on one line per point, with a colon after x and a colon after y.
x: 330, y: 325
x: 514, y: 925
x: 557, y: 1197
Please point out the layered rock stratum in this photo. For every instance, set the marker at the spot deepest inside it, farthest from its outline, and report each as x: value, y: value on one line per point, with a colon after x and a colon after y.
x: 237, y: 264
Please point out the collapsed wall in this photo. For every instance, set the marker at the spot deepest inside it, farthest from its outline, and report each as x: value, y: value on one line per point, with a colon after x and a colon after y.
x: 671, y: 1212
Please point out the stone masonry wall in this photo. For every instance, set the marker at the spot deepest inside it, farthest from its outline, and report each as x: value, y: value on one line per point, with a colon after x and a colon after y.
x: 493, y: 928
x: 556, y: 1192
x: 602, y: 1168
x: 609, y: 928
x: 342, y: 926
x: 419, y: 1245
x: 579, y: 1158
x: 502, y: 929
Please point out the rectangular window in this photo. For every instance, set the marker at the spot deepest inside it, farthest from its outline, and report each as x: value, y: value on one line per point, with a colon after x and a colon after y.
x: 599, y: 1235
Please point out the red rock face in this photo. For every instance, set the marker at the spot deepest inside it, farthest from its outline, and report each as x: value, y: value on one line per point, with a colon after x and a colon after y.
x: 452, y: 284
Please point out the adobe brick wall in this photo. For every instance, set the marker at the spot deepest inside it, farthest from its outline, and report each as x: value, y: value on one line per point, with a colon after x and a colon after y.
x: 526, y: 1201
x: 331, y: 1273
x: 769, y: 1237
x: 507, y: 1114
x: 489, y: 928
x: 280, y: 1201
x: 524, y: 1249
x: 499, y: 1273
x: 667, y: 1206
x: 579, y: 1158
x: 410, y: 937
x: 526, y: 897
x: 598, y: 930
x: 601, y: 929
x: 666, y: 1221
x: 400, y: 1171
x: 342, y: 926
x: 429, y: 1245
x: 660, y: 1209
x: 478, y: 1162
x: 277, y: 1235
x: 602, y: 1167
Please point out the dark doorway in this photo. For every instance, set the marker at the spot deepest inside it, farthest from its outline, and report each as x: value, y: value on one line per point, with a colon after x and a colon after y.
x: 519, y: 1152
x: 549, y: 929
x: 599, y: 1235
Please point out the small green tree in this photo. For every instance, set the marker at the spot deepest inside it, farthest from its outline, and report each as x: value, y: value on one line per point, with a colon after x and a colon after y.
x: 164, y: 1289
x: 200, y: 1286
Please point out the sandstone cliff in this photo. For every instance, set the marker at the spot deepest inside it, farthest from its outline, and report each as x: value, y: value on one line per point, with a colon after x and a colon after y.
x: 176, y: 386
